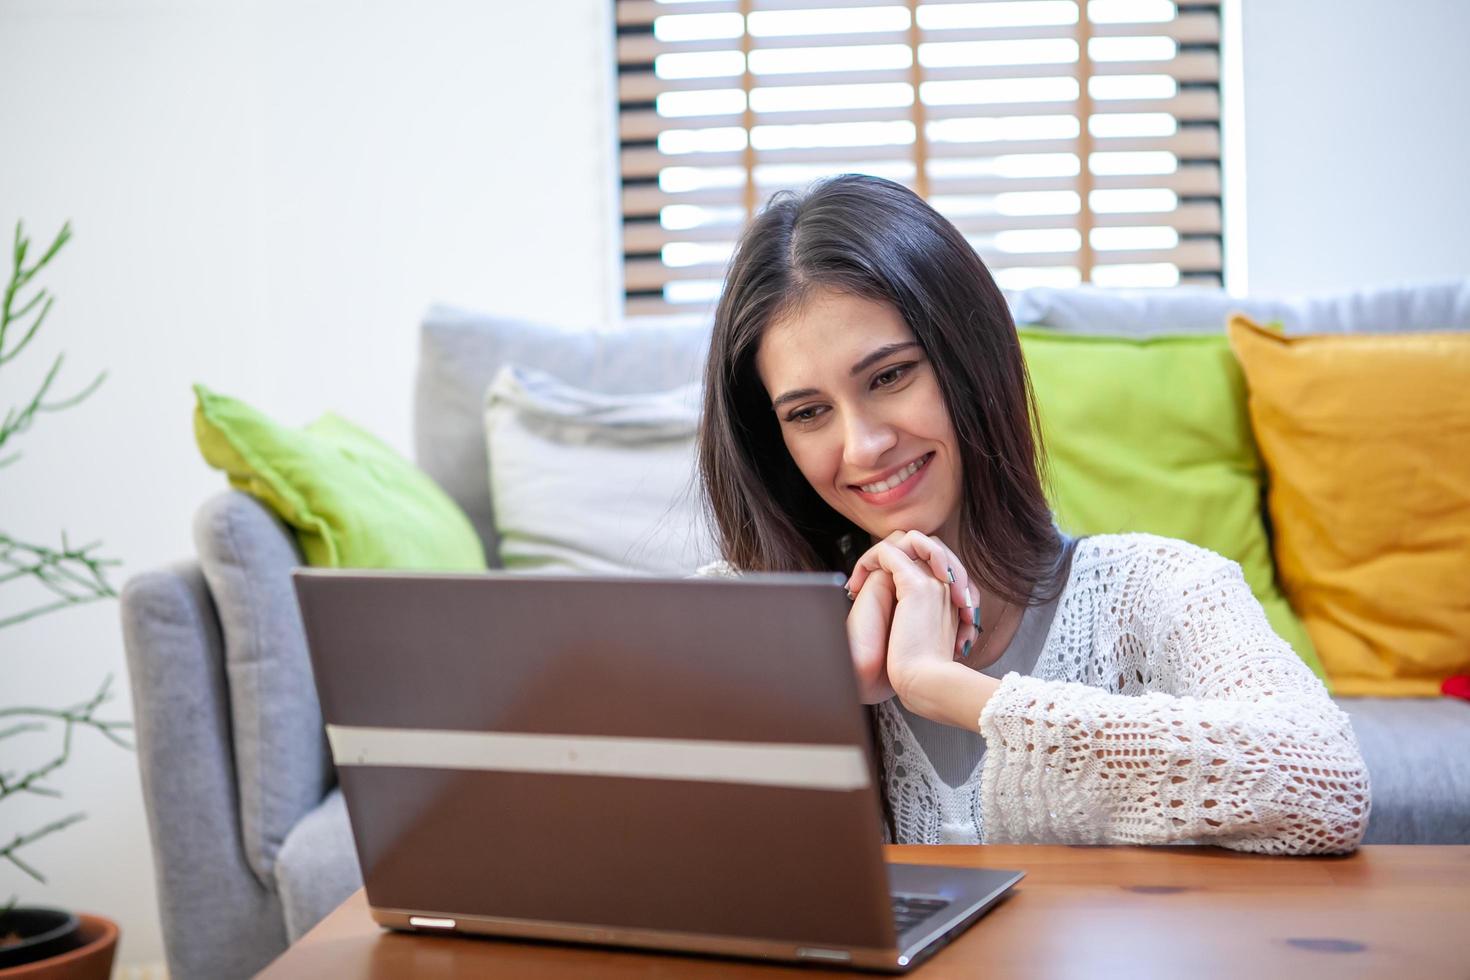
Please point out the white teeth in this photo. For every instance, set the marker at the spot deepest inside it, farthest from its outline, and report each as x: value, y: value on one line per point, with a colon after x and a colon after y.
x: 896, y: 478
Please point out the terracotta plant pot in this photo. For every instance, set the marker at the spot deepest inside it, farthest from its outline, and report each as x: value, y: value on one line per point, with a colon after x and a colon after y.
x: 92, y: 960
x: 28, y: 934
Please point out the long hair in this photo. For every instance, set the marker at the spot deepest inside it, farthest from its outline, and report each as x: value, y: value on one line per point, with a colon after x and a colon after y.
x: 874, y: 239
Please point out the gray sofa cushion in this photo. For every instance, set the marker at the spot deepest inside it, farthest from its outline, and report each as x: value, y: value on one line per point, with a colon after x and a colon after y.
x: 460, y: 352
x: 317, y: 868
x: 1418, y: 767
x: 1427, y: 306
x: 282, y: 765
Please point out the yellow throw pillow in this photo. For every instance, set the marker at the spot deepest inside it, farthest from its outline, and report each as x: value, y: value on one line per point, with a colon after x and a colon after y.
x: 1366, y: 439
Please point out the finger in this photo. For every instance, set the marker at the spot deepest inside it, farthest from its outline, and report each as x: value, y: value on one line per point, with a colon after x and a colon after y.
x: 910, y: 576
x: 967, y: 637
x: 866, y: 565
x: 946, y: 567
x: 943, y: 563
x: 868, y: 628
x: 960, y: 589
x: 869, y: 563
x: 878, y: 579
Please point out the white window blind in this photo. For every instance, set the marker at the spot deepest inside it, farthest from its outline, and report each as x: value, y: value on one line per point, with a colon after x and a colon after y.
x: 1070, y: 140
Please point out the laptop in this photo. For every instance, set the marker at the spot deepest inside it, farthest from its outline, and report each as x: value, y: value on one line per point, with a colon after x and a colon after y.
x: 672, y: 764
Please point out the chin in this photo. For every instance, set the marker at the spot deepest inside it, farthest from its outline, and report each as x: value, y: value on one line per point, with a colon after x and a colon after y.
x: 920, y: 523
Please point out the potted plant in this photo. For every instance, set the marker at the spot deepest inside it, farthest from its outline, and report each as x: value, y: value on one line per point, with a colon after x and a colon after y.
x: 43, y: 942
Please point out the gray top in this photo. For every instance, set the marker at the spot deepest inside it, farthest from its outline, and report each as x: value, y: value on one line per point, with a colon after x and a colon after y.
x: 955, y: 752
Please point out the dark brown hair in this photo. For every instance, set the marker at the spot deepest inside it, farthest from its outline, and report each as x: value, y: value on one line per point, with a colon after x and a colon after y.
x: 875, y: 239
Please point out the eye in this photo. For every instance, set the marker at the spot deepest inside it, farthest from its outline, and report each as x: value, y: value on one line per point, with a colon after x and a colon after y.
x: 804, y: 415
x: 896, y: 372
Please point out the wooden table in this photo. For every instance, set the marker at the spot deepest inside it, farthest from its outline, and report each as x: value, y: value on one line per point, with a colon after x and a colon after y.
x: 1401, y: 912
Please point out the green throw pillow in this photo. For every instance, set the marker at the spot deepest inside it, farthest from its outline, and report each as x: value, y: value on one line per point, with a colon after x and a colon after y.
x: 1153, y: 435
x: 352, y: 501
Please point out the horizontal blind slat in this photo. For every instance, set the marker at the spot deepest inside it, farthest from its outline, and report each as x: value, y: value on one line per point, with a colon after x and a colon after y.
x: 1192, y: 180
x: 644, y: 48
x: 635, y: 49
x: 1187, y: 66
x: 657, y: 306
x: 643, y: 274
x: 646, y: 86
x: 642, y: 124
x: 1187, y: 28
x: 1192, y: 66
x: 642, y: 13
x: 1188, y: 219
x: 646, y: 162
x: 1193, y: 255
x: 1192, y: 142
x: 1187, y: 106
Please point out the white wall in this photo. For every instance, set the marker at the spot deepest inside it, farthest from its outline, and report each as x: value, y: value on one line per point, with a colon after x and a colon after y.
x: 1356, y: 142
x: 265, y: 197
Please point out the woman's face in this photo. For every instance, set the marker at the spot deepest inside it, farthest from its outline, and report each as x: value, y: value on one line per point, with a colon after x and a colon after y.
x: 859, y: 405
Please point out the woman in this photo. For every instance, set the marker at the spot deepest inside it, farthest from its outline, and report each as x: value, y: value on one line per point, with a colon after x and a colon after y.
x: 867, y: 410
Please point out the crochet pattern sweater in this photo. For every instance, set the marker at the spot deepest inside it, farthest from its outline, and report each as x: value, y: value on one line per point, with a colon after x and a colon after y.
x: 1163, y: 709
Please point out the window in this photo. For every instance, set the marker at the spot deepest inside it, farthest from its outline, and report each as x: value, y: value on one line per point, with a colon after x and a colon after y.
x: 1071, y: 141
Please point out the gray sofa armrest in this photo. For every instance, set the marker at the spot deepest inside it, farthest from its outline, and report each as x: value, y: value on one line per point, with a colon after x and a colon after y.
x: 1418, y: 768
x: 218, y: 919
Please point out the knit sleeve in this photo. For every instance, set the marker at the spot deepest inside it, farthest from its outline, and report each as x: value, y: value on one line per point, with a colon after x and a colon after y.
x: 715, y: 569
x: 1243, y: 749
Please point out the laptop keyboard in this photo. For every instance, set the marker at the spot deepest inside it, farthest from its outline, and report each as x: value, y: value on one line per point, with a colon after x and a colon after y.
x: 910, y: 910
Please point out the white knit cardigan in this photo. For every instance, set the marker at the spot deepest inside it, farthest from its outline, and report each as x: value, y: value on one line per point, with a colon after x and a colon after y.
x: 1162, y: 709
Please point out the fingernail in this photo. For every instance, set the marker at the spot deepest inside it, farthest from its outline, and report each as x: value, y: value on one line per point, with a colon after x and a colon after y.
x: 950, y: 572
x: 965, y: 650
x: 975, y: 617
x: 969, y: 599
x: 850, y: 596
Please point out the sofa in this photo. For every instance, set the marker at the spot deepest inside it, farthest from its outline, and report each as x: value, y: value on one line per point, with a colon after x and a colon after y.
x: 251, y: 840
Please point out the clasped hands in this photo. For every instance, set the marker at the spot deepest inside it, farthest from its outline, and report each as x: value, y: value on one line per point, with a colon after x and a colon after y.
x: 913, y: 612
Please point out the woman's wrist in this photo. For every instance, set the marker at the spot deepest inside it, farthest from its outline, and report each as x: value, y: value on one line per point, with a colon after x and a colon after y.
x: 949, y: 693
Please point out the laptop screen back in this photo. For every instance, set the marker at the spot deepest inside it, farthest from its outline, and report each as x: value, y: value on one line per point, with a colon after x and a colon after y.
x: 671, y: 754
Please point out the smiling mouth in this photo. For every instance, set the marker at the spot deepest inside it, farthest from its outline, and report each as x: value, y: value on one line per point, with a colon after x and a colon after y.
x: 897, y: 479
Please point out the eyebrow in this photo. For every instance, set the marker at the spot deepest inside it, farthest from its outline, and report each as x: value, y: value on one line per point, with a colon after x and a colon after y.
x: 868, y: 361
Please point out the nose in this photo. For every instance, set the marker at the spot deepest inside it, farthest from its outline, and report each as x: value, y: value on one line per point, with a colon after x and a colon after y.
x: 867, y: 439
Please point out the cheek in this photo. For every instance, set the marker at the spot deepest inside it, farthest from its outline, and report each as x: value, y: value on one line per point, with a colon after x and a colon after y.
x: 935, y: 417
x: 816, y: 462
x: 937, y: 426
x: 932, y: 421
